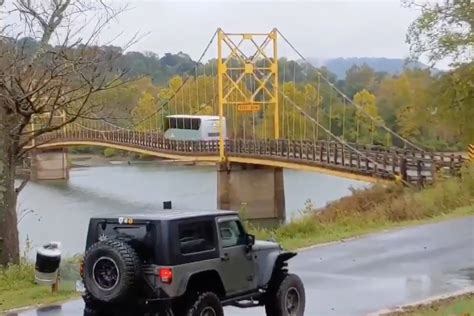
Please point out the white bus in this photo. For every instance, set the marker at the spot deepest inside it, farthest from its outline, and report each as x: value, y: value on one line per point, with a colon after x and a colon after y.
x: 193, y: 127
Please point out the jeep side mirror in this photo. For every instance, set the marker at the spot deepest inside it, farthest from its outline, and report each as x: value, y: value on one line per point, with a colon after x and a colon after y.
x: 250, y: 240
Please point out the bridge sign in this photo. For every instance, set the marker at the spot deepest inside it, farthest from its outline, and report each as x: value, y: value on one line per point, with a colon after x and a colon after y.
x: 248, y: 107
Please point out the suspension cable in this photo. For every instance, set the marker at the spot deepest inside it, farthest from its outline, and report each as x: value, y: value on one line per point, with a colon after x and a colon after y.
x: 344, y: 119
x: 318, y: 105
x: 197, y: 91
x: 204, y: 81
x: 197, y: 63
x: 296, y: 106
x: 330, y: 109
x: 294, y: 97
x: 379, y: 123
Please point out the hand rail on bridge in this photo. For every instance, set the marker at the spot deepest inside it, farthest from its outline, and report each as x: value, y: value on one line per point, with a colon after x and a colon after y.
x: 416, y: 167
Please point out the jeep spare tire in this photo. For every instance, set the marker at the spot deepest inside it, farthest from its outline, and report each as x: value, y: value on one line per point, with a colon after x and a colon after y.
x: 112, y: 270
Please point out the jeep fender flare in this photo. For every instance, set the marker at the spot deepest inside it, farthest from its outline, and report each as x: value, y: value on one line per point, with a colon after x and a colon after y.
x: 212, y: 275
x: 277, y: 261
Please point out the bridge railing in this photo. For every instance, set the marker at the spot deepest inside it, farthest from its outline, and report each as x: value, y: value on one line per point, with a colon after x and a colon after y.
x: 133, y: 139
x: 412, y: 166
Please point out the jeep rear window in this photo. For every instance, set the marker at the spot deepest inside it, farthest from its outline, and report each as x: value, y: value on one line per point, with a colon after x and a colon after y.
x: 134, y: 232
x: 196, y: 237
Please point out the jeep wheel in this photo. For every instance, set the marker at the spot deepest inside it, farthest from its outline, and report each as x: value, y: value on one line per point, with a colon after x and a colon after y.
x: 93, y: 311
x: 286, y: 298
x: 118, y: 310
x: 111, y: 271
x: 206, y: 304
x: 90, y: 311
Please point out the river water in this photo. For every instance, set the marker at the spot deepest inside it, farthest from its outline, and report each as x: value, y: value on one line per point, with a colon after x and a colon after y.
x: 61, y: 209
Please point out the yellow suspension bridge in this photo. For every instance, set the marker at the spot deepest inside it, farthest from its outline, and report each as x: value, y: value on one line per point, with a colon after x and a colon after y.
x: 268, y: 120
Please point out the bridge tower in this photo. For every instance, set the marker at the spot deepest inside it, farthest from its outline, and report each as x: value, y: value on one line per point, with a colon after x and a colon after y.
x: 247, y: 74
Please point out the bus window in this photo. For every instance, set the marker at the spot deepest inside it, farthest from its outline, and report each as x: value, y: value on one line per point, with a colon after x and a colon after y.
x: 184, y: 123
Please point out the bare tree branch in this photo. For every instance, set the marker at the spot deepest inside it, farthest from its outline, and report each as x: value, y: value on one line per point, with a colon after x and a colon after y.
x: 23, y: 184
x: 59, y: 78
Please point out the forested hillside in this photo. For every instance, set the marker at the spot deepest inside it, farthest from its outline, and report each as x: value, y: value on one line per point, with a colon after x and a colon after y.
x: 392, y: 66
x: 431, y: 108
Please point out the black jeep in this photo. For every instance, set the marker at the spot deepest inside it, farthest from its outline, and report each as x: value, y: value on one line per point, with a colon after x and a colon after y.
x: 184, y: 263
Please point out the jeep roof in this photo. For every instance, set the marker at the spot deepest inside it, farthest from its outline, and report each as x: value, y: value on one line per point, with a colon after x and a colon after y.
x: 171, y: 214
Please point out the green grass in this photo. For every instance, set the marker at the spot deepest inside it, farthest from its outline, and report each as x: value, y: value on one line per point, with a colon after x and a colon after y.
x: 376, y: 209
x: 457, y: 306
x: 305, y: 234
x: 17, y: 287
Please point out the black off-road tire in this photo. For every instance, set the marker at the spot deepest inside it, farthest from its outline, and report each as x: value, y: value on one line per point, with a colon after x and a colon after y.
x: 91, y: 311
x: 91, y: 306
x: 286, y: 287
x: 202, y: 302
x: 124, y: 263
x: 116, y: 310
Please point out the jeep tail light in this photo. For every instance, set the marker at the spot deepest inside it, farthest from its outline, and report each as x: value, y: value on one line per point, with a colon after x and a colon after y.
x: 166, y: 275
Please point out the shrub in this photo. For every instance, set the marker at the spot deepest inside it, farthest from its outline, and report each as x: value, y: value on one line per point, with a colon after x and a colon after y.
x: 110, y: 152
x: 375, y: 207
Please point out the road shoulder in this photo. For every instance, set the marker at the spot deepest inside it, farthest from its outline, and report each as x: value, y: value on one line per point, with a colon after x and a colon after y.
x: 425, y: 304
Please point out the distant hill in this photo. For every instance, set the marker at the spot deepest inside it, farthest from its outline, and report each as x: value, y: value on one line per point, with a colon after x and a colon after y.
x: 339, y: 66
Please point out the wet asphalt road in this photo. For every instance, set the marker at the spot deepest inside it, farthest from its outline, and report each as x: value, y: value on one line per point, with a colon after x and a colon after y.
x: 364, y: 275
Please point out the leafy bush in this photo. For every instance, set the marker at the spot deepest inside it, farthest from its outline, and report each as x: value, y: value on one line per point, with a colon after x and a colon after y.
x: 110, y: 152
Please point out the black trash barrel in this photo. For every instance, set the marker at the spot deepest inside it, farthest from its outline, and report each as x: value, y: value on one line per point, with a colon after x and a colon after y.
x: 48, y: 259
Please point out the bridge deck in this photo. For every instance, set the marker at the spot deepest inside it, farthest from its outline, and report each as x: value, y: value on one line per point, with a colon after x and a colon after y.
x: 365, y: 162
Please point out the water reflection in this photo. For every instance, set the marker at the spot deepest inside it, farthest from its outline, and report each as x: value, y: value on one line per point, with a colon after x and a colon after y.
x: 64, y: 208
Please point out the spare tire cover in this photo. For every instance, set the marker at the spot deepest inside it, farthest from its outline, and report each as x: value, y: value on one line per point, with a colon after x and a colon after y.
x: 112, y: 271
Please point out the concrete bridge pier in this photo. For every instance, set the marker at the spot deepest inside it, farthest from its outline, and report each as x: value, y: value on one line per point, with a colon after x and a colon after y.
x: 49, y: 164
x: 259, y: 190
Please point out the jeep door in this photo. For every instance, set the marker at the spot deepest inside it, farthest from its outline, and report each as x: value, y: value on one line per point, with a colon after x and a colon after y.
x: 237, y: 264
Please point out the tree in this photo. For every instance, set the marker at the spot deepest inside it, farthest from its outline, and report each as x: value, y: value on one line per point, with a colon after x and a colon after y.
x: 143, y: 113
x: 45, y: 80
x: 358, y: 78
x: 453, y: 103
x: 444, y: 30
x: 405, y: 102
x: 116, y: 105
x: 367, y: 115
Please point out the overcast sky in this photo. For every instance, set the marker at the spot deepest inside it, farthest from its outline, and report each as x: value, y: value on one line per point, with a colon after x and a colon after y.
x: 323, y: 29
x: 318, y: 28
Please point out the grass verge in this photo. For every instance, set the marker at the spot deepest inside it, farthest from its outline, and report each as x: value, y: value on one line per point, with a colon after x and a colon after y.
x: 462, y: 305
x: 18, y: 289
x: 375, y: 209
